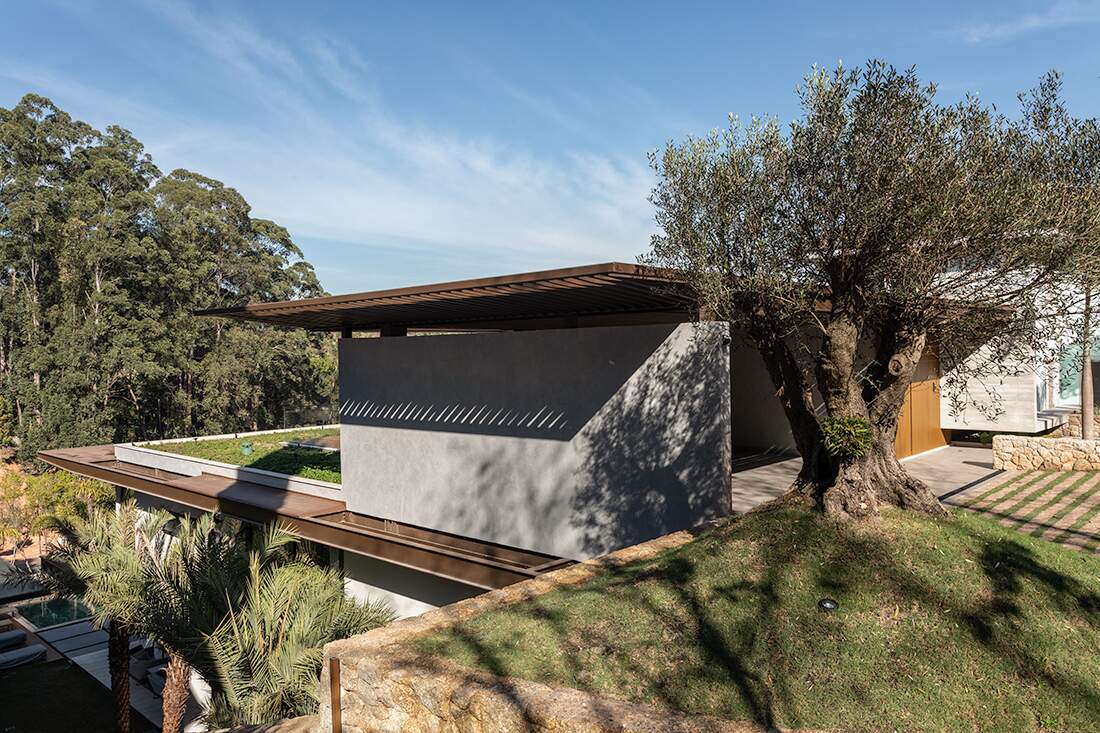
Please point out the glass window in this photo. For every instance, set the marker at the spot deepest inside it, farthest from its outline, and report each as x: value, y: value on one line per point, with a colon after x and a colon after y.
x: 1069, y: 374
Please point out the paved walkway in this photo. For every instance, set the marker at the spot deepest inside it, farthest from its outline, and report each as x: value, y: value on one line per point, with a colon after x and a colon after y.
x: 1060, y: 506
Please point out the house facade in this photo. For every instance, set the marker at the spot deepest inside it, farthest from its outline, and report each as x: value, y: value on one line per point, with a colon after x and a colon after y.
x: 494, y: 429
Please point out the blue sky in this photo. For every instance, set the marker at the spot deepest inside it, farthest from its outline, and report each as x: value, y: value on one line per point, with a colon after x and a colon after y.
x: 412, y: 142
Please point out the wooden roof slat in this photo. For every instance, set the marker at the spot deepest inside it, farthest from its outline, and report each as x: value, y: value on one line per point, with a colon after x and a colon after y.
x: 609, y: 288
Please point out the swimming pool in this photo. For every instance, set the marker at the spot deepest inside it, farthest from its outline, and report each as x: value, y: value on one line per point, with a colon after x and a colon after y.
x: 53, y: 611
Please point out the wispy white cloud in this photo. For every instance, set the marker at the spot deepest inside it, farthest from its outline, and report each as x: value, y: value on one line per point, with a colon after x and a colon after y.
x: 497, y: 84
x: 1051, y: 17
x: 43, y: 80
x: 344, y: 69
x: 366, y: 173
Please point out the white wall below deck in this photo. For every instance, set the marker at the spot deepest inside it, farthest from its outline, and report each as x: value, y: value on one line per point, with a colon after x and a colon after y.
x: 408, y: 592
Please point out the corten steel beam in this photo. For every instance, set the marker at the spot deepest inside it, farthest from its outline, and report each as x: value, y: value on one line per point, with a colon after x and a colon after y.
x: 470, y: 561
x: 564, y: 298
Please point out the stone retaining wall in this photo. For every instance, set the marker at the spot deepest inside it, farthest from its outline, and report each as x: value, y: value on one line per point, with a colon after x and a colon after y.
x: 1023, y: 452
x: 386, y: 686
x: 1072, y: 426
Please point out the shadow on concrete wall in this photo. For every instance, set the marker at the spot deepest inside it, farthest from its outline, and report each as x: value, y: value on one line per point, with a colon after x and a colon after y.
x: 657, y: 454
x: 508, y: 384
x: 497, y: 507
x: 652, y: 459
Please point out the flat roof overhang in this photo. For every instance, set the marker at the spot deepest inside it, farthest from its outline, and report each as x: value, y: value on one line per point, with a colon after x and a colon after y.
x: 613, y: 293
x: 473, y: 562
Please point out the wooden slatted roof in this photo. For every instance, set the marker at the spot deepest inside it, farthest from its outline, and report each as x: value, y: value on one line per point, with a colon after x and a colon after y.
x: 604, y: 294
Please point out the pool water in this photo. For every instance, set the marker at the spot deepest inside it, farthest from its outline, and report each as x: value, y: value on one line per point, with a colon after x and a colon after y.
x: 43, y: 614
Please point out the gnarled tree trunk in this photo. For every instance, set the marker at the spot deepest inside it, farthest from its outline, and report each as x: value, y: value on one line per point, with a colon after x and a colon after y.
x: 863, y: 485
x: 852, y: 384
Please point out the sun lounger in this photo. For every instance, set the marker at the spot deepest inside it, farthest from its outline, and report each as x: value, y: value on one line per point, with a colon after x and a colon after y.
x: 23, y: 655
x: 15, y: 637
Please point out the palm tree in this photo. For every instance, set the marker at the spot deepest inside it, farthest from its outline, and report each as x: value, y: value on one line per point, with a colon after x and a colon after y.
x: 249, y: 614
x: 116, y: 582
x: 188, y: 589
x: 95, y: 558
x: 249, y: 611
x: 265, y: 657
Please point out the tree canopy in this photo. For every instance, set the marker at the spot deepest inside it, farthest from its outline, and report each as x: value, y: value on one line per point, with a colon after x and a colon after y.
x: 103, y: 261
x: 879, y: 224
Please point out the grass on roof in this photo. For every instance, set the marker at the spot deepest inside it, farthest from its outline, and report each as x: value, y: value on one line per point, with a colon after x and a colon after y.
x: 951, y: 625
x: 268, y: 453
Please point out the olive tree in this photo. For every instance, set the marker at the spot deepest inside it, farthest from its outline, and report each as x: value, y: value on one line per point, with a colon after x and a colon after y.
x: 879, y: 224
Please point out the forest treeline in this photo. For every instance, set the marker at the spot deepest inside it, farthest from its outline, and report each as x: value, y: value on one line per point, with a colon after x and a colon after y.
x: 103, y: 262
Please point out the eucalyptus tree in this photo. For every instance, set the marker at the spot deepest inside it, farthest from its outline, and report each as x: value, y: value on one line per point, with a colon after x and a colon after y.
x: 877, y: 224
x: 103, y: 261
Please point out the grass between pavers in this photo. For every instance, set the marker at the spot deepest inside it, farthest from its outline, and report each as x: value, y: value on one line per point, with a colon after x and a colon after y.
x: 1037, y: 492
x: 1077, y: 501
x: 267, y: 453
x: 957, y: 624
x: 1018, y: 483
x: 1053, y: 501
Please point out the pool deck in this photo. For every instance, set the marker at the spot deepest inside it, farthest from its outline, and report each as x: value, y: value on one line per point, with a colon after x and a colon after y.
x: 142, y: 698
x: 86, y: 646
x: 11, y: 623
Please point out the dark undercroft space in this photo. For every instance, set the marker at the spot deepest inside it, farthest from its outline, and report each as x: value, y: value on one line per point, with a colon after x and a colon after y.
x: 58, y: 697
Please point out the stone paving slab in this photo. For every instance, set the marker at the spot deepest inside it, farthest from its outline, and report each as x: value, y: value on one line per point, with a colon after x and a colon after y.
x: 1059, y: 506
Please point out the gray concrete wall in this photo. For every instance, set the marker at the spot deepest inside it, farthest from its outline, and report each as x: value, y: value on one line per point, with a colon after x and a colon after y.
x: 758, y: 420
x: 408, y: 592
x: 571, y: 442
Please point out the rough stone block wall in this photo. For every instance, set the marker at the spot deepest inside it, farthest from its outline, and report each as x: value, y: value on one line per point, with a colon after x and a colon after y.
x: 1072, y: 426
x: 1024, y: 452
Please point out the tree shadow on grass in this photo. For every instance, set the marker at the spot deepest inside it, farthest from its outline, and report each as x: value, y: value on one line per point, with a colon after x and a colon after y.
x: 728, y: 635
x: 724, y: 649
x: 996, y: 618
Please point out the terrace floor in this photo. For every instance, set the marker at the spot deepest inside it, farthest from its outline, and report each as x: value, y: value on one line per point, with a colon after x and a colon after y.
x: 948, y: 471
x: 58, y: 697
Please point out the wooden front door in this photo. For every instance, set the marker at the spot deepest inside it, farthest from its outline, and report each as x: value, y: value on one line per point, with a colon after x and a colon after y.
x: 919, y: 421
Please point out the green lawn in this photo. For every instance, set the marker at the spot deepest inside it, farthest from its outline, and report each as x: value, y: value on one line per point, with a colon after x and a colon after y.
x: 267, y: 453
x: 952, y: 625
